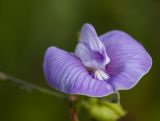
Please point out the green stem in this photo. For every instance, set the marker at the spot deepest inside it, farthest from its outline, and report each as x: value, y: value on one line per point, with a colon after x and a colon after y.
x: 30, y: 86
x: 116, y: 97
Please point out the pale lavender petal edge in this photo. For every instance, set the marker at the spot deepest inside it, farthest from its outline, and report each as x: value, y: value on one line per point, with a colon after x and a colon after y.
x: 129, y: 61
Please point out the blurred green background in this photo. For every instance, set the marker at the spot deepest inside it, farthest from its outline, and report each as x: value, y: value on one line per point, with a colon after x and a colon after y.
x: 28, y: 27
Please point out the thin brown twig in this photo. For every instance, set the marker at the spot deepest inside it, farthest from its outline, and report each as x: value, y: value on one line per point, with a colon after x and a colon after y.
x: 73, y: 114
x: 72, y: 109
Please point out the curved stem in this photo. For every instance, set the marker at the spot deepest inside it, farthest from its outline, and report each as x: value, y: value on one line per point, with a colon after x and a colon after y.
x: 29, y: 86
x: 116, y: 97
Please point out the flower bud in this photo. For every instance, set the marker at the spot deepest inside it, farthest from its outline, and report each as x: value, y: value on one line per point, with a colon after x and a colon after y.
x: 104, y: 111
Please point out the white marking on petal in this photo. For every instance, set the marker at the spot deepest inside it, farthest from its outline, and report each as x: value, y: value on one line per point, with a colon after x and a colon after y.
x: 101, y: 75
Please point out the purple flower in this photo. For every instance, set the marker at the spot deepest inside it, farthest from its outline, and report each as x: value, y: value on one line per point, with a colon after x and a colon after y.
x: 100, y: 65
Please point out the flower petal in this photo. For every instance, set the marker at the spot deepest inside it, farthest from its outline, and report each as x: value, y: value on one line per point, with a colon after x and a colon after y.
x: 66, y: 73
x: 129, y: 61
x: 90, y: 49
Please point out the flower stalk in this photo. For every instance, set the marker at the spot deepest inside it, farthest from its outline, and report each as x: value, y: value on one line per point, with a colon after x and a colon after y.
x: 29, y: 86
x: 89, y: 105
